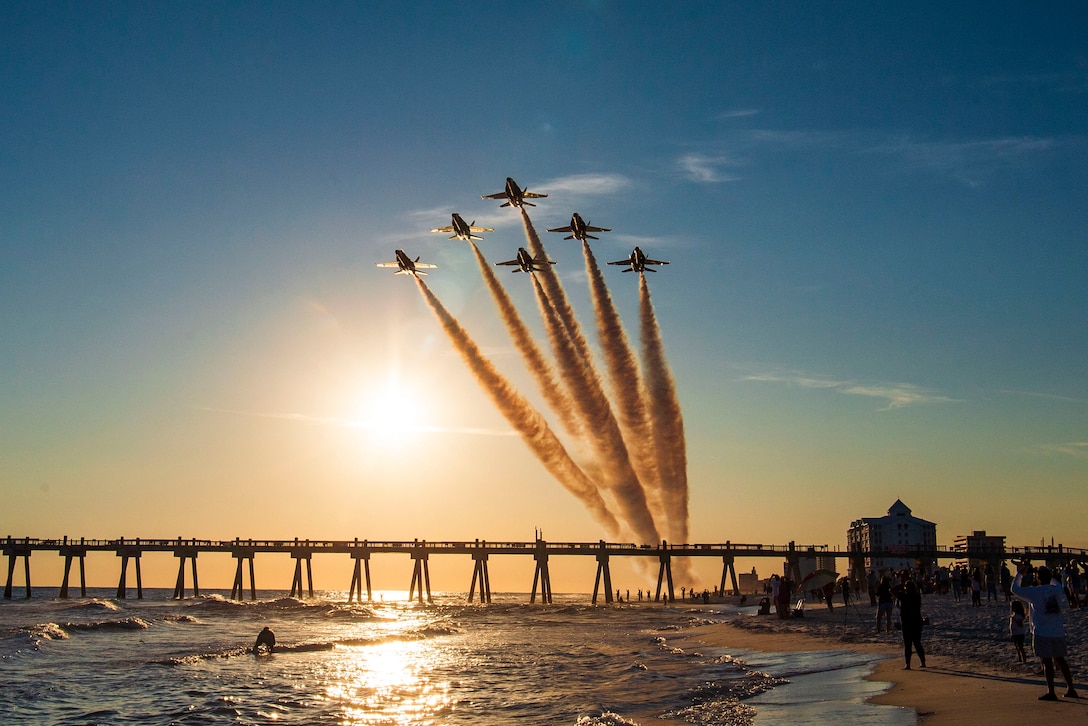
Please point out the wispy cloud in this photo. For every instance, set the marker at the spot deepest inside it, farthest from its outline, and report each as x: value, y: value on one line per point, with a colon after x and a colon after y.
x: 349, y: 423
x: 586, y: 184
x: 739, y: 113
x: 1047, y: 396
x: 970, y: 162
x: 705, y: 169
x: 896, y: 395
x: 1076, y: 449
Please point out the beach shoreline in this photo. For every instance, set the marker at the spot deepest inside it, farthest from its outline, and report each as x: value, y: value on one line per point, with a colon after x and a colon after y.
x: 972, y: 674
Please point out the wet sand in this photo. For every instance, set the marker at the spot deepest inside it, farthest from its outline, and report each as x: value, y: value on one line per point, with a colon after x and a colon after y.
x: 972, y: 676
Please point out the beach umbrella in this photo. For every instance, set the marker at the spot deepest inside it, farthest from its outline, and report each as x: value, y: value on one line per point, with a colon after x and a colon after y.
x: 818, y: 579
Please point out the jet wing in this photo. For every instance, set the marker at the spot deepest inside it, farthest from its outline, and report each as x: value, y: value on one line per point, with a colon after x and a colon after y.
x: 509, y: 262
x: 394, y: 263
x: 443, y: 229
x: 474, y: 228
x: 426, y: 265
x: 589, y: 228
x: 499, y: 195
x: 532, y: 195
x: 626, y: 261
x: 568, y: 228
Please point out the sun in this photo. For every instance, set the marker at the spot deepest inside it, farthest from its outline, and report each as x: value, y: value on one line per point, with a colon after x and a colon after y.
x: 392, y: 412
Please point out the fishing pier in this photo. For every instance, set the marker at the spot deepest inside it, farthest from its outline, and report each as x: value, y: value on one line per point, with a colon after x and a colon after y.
x: 244, y: 551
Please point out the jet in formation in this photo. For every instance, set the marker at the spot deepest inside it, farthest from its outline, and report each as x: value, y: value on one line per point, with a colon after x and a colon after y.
x: 579, y: 229
x: 514, y: 196
x: 406, y: 265
x: 637, y: 262
x: 526, y: 262
x: 463, y: 230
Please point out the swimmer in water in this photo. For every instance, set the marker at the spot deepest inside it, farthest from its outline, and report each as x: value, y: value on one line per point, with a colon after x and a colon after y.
x: 266, y: 638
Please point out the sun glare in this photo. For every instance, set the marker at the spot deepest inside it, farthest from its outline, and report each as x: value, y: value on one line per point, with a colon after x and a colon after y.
x: 392, y: 412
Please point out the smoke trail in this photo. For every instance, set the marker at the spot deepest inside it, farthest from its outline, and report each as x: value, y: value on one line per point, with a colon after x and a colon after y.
x: 554, y: 394
x: 554, y: 290
x: 521, y: 415
x: 668, y: 422
x: 628, y: 390
x: 600, y: 425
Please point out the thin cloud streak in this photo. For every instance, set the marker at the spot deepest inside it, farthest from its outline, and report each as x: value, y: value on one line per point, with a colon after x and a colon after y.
x: 1046, y: 396
x: 1075, y: 449
x: 704, y: 169
x: 586, y: 184
x: 351, y: 423
x: 898, y: 395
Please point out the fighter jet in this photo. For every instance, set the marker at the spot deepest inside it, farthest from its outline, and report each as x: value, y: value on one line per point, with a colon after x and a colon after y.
x: 461, y: 230
x: 513, y: 195
x: 638, y: 261
x: 406, y: 265
x: 579, y: 229
x: 526, y: 263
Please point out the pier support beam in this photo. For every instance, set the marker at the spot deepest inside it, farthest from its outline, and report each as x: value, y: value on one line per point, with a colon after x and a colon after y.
x: 421, y: 573
x: 479, y: 574
x: 127, y: 553
x: 296, y: 582
x: 728, y: 567
x: 664, y: 573
x: 14, y: 552
x: 362, y: 562
x: 237, y: 590
x: 602, y: 569
x: 541, y: 574
x: 68, y: 553
x: 793, y: 564
x: 179, y: 588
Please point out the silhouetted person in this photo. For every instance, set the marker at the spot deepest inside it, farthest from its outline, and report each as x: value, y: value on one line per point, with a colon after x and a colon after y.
x: 910, y: 617
x: 1047, y: 627
x: 266, y: 638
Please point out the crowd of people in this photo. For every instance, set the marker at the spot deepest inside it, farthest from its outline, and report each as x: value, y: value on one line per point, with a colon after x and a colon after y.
x: 1035, y: 596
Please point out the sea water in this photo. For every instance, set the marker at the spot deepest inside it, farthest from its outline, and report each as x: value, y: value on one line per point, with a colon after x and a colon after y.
x: 157, y: 660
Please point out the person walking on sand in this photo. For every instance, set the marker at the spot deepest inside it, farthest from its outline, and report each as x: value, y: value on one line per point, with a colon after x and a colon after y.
x: 1018, y: 628
x: 1047, y: 626
x: 910, y: 615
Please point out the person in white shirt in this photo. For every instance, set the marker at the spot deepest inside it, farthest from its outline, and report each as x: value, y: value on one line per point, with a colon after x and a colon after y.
x: 1047, y: 626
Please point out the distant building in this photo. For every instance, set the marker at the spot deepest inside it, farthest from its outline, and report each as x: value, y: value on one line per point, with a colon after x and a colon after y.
x: 749, y: 581
x: 979, y: 549
x: 900, y: 534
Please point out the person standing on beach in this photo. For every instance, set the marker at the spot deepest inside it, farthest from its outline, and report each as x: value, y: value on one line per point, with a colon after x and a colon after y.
x: 910, y: 615
x: 1018, y: 628
x: 1047, y: 626
x: 884, y: 602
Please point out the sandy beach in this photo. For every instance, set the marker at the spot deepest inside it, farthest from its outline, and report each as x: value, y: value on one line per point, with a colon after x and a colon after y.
x: 972, y: 676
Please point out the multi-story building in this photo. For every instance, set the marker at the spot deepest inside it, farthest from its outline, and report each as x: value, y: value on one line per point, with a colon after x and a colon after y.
x: 979, y: 549
x: 899, y: 534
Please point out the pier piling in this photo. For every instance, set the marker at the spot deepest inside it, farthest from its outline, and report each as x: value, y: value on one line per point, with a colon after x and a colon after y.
x: 360, y: 555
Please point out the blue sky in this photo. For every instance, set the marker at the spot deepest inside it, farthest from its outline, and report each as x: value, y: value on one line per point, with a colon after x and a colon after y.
x: 875, y: 218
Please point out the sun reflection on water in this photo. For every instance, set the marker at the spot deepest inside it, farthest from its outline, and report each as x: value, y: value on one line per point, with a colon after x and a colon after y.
x: 388, y: 683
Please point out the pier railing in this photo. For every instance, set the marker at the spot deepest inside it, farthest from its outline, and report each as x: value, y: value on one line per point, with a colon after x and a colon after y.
x: 130, y: 550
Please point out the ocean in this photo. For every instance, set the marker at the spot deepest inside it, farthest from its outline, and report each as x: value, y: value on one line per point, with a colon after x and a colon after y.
x: 100, y: 660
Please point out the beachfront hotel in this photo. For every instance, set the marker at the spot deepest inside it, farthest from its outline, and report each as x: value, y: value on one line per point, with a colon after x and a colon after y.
x: 898, y: 532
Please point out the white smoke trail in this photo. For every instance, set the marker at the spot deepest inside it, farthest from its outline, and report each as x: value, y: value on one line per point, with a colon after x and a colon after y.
x: 666, y: 417
x: 628, y: 390
x: 600, y: 425
x: 554, y: 394
x: 525, y: 419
